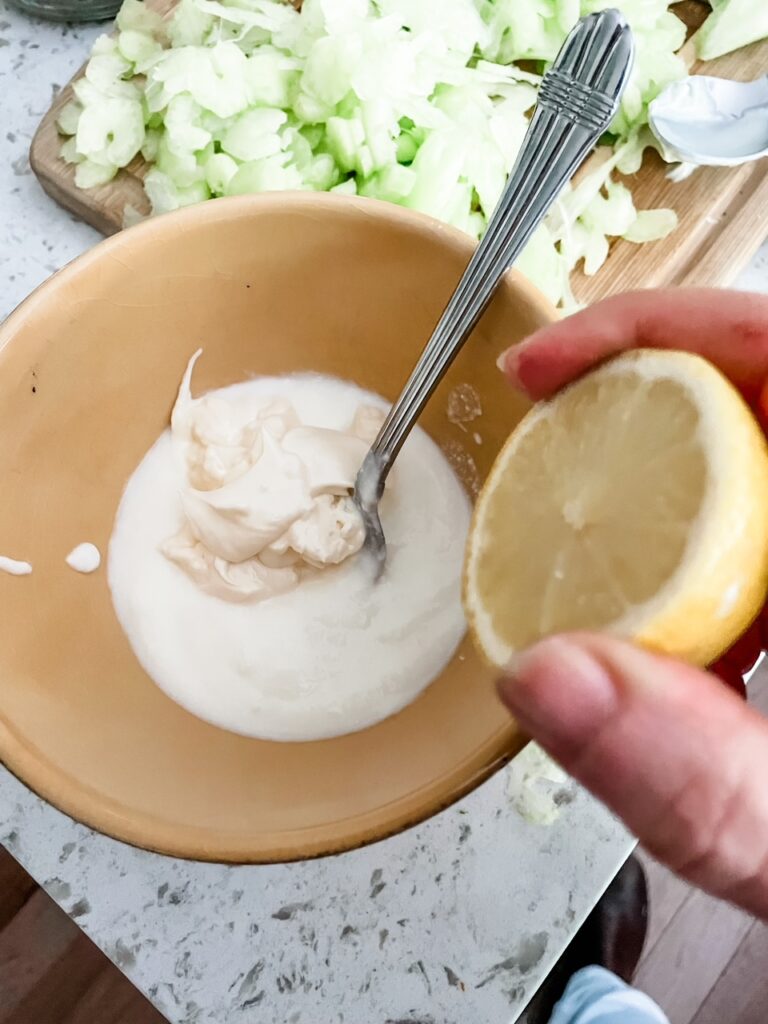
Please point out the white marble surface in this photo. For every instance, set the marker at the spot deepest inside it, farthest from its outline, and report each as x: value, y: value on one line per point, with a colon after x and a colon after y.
x: 456, y: 921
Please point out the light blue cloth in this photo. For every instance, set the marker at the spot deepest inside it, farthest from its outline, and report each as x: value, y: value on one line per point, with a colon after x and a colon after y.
x: 595, y: 996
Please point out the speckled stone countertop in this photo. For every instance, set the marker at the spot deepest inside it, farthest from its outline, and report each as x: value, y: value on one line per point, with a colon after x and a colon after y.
x: 454, y: 922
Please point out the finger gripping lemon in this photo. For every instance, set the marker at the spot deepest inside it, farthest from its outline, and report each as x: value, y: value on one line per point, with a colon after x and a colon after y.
x: 633, y: 502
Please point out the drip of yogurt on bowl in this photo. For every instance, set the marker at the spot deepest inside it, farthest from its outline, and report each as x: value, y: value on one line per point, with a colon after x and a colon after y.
x: 14, y: 566
x: 85, y: 558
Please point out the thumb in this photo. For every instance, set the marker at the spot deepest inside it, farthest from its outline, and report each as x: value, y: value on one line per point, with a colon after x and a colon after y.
x: 679, y: 757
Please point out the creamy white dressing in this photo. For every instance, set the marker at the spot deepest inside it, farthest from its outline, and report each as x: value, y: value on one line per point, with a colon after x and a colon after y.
x: 330, y: 652
x: 84, y: 558
x: 265, y: 495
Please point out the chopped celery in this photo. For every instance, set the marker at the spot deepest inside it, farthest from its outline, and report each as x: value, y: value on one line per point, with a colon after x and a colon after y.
x: 136, y: 16
x: 165, y: 195
x: 111, y: 132
x: 732, y: 24
x: 254, y: 134
x: 271, y: 174
x: 137, y: 47
x: 69, y: 151
x: 219, y: 169
x: 68, y: 118
x: 650, y: 225
x: 346, y: 188
x: 90, y: 175
x: 424, y: 103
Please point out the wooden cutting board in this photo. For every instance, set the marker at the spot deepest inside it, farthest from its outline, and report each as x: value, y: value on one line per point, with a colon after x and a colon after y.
x: 723, y: 212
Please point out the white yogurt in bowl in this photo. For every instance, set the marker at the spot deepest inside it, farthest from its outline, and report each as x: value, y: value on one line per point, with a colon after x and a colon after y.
x: 274, y: 628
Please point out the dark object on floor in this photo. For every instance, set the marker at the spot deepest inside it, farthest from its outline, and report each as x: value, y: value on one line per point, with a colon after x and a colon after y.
x: 612, y: 936
x: 620, y: 921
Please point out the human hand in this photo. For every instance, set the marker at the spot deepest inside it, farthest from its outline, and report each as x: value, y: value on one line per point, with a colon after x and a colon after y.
x: 677, y: 755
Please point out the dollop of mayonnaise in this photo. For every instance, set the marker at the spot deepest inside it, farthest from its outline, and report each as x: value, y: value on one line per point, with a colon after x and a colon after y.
x: 265, y: 497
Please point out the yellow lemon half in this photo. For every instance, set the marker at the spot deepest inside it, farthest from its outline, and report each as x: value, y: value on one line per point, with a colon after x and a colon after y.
x: 634, y: 502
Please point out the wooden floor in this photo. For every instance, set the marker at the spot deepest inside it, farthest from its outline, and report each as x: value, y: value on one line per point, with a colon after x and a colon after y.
x: 50, y: 973
x: 704, y: 961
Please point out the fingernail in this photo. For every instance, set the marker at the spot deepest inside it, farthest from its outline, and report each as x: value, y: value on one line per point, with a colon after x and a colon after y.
x: 559, y: 692
x: 507, y: 363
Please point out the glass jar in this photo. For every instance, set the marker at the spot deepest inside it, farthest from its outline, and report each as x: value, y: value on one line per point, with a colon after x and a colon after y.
x: 69, y: 10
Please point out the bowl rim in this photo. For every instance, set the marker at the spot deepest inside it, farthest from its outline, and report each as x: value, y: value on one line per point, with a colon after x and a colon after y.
x: 97, y: 811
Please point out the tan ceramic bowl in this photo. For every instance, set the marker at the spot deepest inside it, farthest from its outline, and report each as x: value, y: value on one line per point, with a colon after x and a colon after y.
x: 89, y: 368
